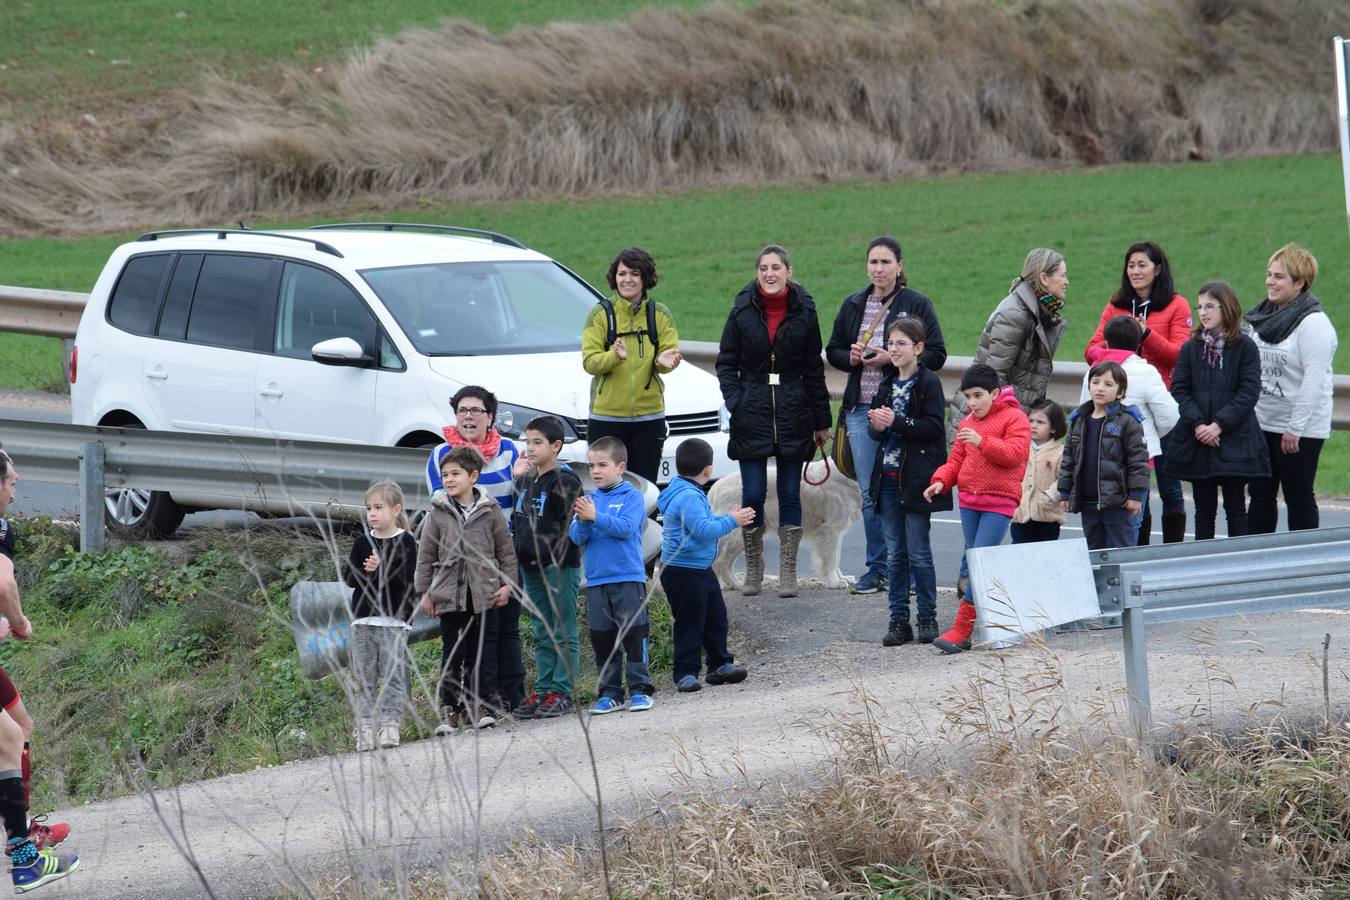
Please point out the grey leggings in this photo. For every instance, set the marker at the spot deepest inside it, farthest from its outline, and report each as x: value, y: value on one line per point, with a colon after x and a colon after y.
x: 379, y: 673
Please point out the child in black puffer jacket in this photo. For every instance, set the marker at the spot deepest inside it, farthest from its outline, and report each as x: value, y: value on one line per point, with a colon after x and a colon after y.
x: 1103, y: 473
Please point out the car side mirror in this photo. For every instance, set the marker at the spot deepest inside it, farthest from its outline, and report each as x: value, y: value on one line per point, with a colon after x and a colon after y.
x: 340, y: 351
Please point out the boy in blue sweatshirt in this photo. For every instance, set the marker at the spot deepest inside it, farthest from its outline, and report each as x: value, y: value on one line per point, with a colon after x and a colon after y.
x: 688, y: 545
x: 608, y: 523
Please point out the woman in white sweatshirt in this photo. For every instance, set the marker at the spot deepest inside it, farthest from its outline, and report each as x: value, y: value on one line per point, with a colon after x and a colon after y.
x: 1297, y: 342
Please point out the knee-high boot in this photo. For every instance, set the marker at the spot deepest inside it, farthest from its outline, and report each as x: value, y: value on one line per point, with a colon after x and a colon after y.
x: 754, y: 560
x: 789, y: 540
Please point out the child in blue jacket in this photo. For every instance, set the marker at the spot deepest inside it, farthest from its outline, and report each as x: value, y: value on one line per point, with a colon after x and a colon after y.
x: 608, y: 524
x: 688, y: 546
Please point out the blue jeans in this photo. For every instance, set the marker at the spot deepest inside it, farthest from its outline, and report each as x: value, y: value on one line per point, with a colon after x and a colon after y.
x: 982, y: 529
x: 755, y: 487
x: 864, y: 451
x: 909, y: 555
x: 1169, y: 487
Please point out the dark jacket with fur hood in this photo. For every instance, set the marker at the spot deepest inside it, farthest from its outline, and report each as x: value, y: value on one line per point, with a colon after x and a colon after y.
x: 765, y: 414
x: 1122, y: 458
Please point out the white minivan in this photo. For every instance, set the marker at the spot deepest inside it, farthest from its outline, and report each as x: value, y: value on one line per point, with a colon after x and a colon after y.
x: 352, y: 333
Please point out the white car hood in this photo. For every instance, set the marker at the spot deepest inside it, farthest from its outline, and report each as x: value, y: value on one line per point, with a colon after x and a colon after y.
x: 556, y: 382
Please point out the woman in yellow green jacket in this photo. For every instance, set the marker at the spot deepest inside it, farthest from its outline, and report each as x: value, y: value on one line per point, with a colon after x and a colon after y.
x: 627, y: 343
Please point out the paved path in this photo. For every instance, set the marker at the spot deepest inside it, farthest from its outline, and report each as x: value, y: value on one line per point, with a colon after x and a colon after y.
x: 417, y: 806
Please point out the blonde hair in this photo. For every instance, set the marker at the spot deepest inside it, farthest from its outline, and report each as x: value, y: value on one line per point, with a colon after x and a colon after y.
x: 1299, y: 263
x: 1041, y: 261
x: 392, y: 495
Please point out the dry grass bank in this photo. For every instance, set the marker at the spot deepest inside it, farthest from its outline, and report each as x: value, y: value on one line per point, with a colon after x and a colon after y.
x: 1022, y: 802
x: 674, y: 99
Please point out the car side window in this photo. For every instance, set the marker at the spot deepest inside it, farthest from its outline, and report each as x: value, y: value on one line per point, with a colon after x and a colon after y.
x: 135, y: 301
x: 173, y: 318
x: 233, y: 302
x: 315, y: 306
x: 390, y: 358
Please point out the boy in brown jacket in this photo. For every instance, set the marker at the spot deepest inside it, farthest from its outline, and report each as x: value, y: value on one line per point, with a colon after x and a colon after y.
x: 465, y: 567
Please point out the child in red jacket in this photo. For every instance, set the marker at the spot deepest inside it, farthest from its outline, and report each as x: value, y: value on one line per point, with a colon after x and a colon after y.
x: 986, y: 464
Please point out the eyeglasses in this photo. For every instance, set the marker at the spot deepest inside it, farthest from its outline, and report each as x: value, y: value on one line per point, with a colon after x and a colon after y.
x: 1208, y: 307
x: 471, y: 411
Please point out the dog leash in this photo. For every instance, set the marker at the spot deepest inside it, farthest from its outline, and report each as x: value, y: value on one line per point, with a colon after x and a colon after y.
x: 820, y: 445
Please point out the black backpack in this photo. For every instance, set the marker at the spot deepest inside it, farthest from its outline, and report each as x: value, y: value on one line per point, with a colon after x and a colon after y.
x: 612, y: 332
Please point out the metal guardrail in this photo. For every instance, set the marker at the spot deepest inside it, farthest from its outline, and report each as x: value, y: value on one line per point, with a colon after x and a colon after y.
x: 49, y: 313
x: 1184, y: 582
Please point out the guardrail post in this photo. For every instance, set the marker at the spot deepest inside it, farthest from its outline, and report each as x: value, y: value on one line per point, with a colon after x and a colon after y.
x: 1136, y: 655
x: 92, y: 537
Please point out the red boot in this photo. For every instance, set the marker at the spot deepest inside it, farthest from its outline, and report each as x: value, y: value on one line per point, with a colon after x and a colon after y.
x: 957, y: 637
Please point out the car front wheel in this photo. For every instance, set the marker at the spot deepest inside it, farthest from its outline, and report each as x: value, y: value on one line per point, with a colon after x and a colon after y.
x: 141, y: 514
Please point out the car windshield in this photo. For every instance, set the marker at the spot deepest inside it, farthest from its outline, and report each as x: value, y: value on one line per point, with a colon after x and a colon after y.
x: 482, y: 308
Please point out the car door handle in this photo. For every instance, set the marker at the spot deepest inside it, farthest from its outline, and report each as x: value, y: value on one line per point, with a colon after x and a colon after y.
x: 156, y: 374
x: 272, y: 392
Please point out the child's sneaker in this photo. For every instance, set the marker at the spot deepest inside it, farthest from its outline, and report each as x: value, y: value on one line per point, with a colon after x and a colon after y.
x: 388, y: 736
x: 869, y: 583
x: 450, y: 721
x: 530, y: 708
x: 727, y: 673
x: 365, y: 738
x: 480, y: 718
x: 606, y: 705
x: 555, y: 705
x: 639, y: 703
x: 43, y: 835
x: 42, y: 867
x: 688, y: 684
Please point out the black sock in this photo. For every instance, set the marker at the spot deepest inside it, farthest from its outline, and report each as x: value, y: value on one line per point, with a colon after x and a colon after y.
x: 14, y: 813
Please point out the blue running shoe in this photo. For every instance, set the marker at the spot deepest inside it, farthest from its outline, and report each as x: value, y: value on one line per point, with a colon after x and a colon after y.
x: 688, y: 684
x: 870, y: 583
x: 606, y: 705
x: 639, y: 703
x: 45, y: 868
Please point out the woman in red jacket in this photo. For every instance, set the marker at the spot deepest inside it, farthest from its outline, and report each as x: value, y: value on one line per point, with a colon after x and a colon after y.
x: 988, y: 459
x: 1146, y: 292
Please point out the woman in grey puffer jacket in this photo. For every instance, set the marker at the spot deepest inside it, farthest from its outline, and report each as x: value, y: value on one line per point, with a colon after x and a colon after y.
x: 1023, y: 332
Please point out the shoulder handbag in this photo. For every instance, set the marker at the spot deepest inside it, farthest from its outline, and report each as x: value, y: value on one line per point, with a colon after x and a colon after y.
x: 840, y: 451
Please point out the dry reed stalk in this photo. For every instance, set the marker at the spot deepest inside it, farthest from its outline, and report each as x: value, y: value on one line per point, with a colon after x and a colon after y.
x: 672, y: 99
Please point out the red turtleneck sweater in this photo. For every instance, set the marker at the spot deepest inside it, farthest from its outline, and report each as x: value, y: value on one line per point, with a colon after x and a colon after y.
x: 775, y: 310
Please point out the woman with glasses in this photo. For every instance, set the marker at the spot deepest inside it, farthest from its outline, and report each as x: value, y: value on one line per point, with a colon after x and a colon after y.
x: 855, y: 347
x: 475, y: 410
x: 501, y: 668
x: 1216, y: 444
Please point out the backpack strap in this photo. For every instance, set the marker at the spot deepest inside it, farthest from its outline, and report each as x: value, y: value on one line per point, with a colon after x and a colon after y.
x: 611, y: 324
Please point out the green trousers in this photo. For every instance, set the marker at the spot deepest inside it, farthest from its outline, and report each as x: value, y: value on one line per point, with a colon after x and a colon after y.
x: 557, y: 647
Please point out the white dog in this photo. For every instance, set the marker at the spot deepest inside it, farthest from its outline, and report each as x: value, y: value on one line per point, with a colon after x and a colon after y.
x: 829, y: 510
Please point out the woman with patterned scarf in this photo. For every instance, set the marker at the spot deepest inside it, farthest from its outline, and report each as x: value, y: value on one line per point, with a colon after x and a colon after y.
x: 1297, y: 343
x: 1023, y: 332
x: 475, y: 410
x: 1216, y: 443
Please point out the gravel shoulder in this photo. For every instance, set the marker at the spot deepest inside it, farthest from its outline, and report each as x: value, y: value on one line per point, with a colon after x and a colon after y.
x: 262, y: 832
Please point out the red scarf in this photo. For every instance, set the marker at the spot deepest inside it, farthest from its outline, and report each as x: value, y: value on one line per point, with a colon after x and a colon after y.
x: 775, y: 310
x: 490, y: 447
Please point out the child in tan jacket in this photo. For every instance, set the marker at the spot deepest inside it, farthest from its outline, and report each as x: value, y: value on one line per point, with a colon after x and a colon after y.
x: 1040, y: 514
x: 466, y: 567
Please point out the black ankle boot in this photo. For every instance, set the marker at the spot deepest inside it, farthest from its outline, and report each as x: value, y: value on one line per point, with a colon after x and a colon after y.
x: 898, y: 633
x: 928, y: 630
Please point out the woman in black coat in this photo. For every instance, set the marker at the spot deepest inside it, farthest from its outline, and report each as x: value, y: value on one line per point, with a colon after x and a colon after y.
x: 1217, y: 443
x: 856, y: 347
x: 773, y: 381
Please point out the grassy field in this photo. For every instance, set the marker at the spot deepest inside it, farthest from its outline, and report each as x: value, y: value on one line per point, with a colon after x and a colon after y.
x: 964, y: 238
x: 71, y: 58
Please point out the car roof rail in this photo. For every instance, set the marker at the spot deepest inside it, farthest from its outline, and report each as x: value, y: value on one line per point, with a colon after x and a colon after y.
x: 221, y: 234
x: 494, y: 236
